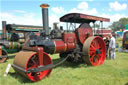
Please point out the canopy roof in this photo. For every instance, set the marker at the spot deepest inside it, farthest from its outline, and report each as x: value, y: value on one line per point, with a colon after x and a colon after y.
x: 81, y: 18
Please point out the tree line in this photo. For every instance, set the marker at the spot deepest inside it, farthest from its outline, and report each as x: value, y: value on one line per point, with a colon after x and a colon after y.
x: 117, y: 25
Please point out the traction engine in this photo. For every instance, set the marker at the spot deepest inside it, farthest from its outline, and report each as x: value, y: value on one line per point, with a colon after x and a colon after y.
x: 78, y: 45
x: 12, y: 38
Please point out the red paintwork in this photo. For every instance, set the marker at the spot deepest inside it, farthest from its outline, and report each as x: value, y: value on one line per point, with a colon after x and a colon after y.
x: 67, y: 44
x: 89, y: 17
x: 37, y: 34
x: 104, y: 32
x: 60, y: 46
x: 70, y: 46
x: 40, y: 55
x: 33, y: 63
x: 97, y: 59
x: 69, y: 37
x: 83, y: 34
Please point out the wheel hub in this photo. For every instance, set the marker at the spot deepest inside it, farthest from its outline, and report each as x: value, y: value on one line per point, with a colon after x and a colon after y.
x: 98, y: 51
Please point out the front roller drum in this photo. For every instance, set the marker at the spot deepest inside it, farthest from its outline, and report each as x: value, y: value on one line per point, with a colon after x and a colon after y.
x: 28, y: 60
x: 94, y: 50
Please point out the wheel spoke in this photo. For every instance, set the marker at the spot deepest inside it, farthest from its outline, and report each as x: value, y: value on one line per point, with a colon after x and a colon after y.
x: 92, y: 50
x: 98, y: 56
x: 92, y: 57
x: 36, y: 76
x: 93, y: 47
x: 96, y: 61
x: 97, y: 44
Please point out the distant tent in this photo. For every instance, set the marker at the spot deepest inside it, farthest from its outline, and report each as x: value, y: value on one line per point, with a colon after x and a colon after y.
x: 119, y: 33
x: 126, y: 27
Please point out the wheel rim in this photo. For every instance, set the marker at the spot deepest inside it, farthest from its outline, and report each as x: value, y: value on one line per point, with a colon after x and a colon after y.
x: 95, y: 50
x: 4, y: 53
x: 33, y: 63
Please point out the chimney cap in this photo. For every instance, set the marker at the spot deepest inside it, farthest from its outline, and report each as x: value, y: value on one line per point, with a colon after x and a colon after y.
x: 44, y: 5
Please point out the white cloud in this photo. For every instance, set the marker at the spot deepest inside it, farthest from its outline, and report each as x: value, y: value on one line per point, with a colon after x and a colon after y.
x: 19, y: 11
x: 58, y: 10
x: 117, y: 6
x: 52, y: 19
x: 113, y: 18
x: 83, y: 8
x: 83, y: 5
x: 27, y: 18
x: 24, y: 18
x: 90, y: 12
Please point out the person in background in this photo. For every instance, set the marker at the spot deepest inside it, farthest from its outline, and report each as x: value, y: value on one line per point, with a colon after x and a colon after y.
x: 107, y: 45
x: 112, y: 46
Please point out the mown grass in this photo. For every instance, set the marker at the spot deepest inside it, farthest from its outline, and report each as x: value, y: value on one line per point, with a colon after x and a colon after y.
x: 112, y: 72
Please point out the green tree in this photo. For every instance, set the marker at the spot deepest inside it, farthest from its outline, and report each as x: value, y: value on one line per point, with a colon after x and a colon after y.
x: 115, y: 26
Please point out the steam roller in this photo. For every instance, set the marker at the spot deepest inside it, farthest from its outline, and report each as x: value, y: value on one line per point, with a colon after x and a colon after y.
x: 78, y: 45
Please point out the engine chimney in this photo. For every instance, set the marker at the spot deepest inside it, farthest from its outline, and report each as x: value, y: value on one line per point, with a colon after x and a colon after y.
x: 45, y: 18
x: 4, y: 36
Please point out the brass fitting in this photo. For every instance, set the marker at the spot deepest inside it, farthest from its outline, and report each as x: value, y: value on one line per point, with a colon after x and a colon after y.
x: 44, y: 5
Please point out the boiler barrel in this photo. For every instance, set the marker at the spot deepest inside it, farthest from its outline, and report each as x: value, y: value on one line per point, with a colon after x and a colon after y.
x: 58, y: 46
x: 15, y: 45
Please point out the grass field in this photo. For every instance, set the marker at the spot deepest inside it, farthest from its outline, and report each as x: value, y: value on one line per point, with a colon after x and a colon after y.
x: 112, y: 72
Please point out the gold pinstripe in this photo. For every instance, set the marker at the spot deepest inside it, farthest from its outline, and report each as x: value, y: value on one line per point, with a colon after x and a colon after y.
x: 65, y: 47
x: 13, y: 45
x: 55, y: 47
x: 18, y: 45
x: 9, y: 45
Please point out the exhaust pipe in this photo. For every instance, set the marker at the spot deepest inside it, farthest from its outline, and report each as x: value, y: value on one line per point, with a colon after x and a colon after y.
x: 4, y: 36
x: 45, y: 18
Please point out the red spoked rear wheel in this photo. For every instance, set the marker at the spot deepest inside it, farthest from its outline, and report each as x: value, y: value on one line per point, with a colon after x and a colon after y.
x: 94, y: 50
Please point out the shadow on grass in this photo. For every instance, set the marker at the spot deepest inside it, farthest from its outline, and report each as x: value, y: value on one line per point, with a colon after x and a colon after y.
x: 66, y: 64
x: 126, y: 83
x: 19, y: 78
x: 69, y: 64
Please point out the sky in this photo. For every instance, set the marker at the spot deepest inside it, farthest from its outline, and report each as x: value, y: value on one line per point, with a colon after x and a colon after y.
x: 28, y: 12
